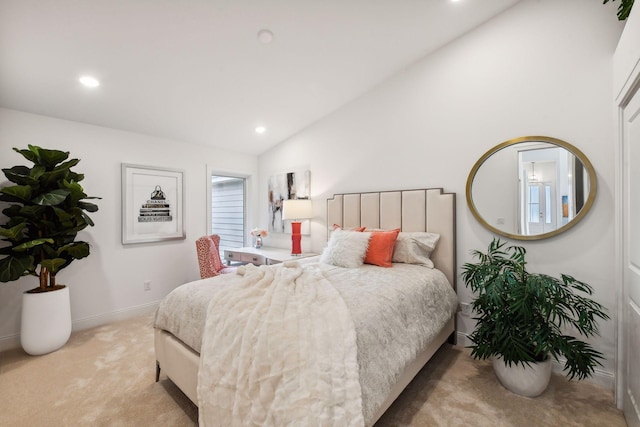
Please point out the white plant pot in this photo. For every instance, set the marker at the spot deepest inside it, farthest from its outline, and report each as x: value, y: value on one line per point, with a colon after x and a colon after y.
x: 46, y: 321
x: 528, y: 380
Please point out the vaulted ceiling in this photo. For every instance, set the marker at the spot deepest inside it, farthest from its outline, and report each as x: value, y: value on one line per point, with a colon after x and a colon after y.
x: 198, y: 71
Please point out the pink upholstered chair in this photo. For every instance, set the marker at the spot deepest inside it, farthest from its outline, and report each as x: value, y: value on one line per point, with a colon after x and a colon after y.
x: 209, y: 257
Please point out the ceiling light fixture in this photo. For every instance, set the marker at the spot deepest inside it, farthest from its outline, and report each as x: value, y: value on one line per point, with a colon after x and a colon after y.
x: 265, y: 36
x: 533, y: 177
x: 89, y: 81
x: 261, y: 129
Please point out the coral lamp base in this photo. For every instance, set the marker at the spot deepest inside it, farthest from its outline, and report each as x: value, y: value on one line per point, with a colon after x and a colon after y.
x: 296, y: 237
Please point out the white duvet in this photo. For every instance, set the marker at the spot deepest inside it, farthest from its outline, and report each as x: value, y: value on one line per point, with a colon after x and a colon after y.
x: 396, y: 312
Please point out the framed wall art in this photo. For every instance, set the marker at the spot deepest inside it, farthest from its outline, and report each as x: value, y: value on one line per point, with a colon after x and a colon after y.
x: 152, y: 204
x: 285, y: 186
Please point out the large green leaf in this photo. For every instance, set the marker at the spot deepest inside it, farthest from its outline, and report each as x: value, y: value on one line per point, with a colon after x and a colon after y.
x: 34, y: 212
x: 69, y: 164
x: 12, y: 211
x: 53, y: 265
x: 20, y: 175
x: 89, y: 207
x: 75, y: 189
x: 76, y: 250
x: 51, y: 198
x: 61, y: 214
x: 21, y: 192
x: 30, y: 154
x: 53, y: 178
x: 14, y: 233
x: 87, y: 220
x: 77, y: 177
x: 50, y: 158
x: 65, y: 222
x: 50, y: 226
x: 12, y: 267
x: 37, y: 171
x: 81, y: 217
x: 32, y: 244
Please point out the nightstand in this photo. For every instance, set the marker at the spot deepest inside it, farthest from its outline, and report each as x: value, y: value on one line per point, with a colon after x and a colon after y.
x: 262, y: 256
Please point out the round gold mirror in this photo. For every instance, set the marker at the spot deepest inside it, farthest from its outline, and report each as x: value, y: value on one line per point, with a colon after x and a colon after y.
x: 531, y: 188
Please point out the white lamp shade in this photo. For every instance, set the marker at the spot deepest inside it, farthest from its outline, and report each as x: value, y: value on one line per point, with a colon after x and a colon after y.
x: 297, y: 209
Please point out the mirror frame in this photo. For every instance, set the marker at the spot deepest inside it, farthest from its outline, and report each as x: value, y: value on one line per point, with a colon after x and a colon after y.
x: 593, y: 189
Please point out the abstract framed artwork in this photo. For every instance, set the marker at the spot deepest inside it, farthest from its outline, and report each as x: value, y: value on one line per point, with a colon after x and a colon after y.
x: 152, y: 204
x: 285, y: 186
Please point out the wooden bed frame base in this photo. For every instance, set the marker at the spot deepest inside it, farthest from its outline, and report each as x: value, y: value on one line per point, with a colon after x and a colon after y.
x: 180, y: 364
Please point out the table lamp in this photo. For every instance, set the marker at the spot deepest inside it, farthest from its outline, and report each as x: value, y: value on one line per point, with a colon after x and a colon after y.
x: 295, y: 210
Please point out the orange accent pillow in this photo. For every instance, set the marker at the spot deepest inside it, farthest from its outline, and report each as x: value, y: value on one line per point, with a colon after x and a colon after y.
x: 380, y: 251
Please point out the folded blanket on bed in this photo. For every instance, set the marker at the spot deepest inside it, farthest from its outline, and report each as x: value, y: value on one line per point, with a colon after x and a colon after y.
x: 279, y: 348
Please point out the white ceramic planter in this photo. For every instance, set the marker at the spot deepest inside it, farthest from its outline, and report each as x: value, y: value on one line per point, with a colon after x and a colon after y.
x: 529, y: 381
x: 46, y: 321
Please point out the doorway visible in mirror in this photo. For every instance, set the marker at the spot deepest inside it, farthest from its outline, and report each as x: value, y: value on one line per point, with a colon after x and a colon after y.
x: 531, y: 188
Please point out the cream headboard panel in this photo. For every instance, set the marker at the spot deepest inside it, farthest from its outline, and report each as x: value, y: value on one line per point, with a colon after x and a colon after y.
x: 429, y: 210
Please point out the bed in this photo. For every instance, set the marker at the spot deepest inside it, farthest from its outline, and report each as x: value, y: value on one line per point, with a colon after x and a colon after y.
x: 385, y: 323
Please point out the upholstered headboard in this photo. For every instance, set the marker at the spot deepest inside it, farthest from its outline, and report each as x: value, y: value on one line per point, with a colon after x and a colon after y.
x: 429, y: 210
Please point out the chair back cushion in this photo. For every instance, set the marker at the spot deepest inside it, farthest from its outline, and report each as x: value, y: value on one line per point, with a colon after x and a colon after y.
x: 209, y: 256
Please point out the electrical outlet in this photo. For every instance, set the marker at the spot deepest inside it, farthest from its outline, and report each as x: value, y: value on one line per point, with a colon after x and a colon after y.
x: 466, y: 309
x: 147, y: 285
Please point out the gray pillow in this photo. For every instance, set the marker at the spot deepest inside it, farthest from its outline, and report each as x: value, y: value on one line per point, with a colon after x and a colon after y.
x: 415, y: 248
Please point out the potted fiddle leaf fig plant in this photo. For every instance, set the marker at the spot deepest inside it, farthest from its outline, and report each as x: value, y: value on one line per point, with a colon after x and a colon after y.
x: 523, y: 320
x: 47, y: 208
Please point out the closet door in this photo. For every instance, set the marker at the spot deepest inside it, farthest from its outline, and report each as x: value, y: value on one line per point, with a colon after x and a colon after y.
x: 631, y: 248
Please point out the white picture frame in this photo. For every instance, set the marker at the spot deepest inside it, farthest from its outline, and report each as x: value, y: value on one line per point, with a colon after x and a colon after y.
x: 152, y: 204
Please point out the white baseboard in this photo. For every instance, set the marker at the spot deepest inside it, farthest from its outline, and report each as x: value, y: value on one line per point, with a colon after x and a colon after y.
x: 462, y: 339
x: 103, y: 319
x: 10, y: 342
x: 601, y: 377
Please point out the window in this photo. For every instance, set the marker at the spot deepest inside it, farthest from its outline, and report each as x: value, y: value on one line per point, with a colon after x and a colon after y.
x: 534, y: 203
x: 228, y: 210
x: 547, y: 204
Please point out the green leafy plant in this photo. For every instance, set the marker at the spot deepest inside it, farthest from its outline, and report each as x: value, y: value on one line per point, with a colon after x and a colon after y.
x: 624, y: 8
x: 46, y: 211
x: 521, y: 315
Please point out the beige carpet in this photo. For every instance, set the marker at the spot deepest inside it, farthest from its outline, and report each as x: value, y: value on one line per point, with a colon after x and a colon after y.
x: 105, y: 377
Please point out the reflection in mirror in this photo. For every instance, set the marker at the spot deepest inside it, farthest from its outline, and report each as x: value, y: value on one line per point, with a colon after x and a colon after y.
x: 531, y: 188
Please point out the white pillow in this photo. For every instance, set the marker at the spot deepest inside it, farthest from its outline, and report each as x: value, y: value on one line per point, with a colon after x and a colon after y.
x: 415, y: 248
x: 346, y: 249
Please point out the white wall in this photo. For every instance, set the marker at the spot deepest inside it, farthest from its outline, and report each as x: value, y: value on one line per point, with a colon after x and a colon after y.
x: 541, y: 68
x: 109, y: 283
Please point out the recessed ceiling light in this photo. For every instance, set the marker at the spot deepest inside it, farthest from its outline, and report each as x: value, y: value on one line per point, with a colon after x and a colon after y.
x: 89, y: 81
x: 261, y: 129
x: 265, y: 36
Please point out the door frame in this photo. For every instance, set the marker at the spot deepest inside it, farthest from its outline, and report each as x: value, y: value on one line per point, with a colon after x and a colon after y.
x: 622, y: 100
